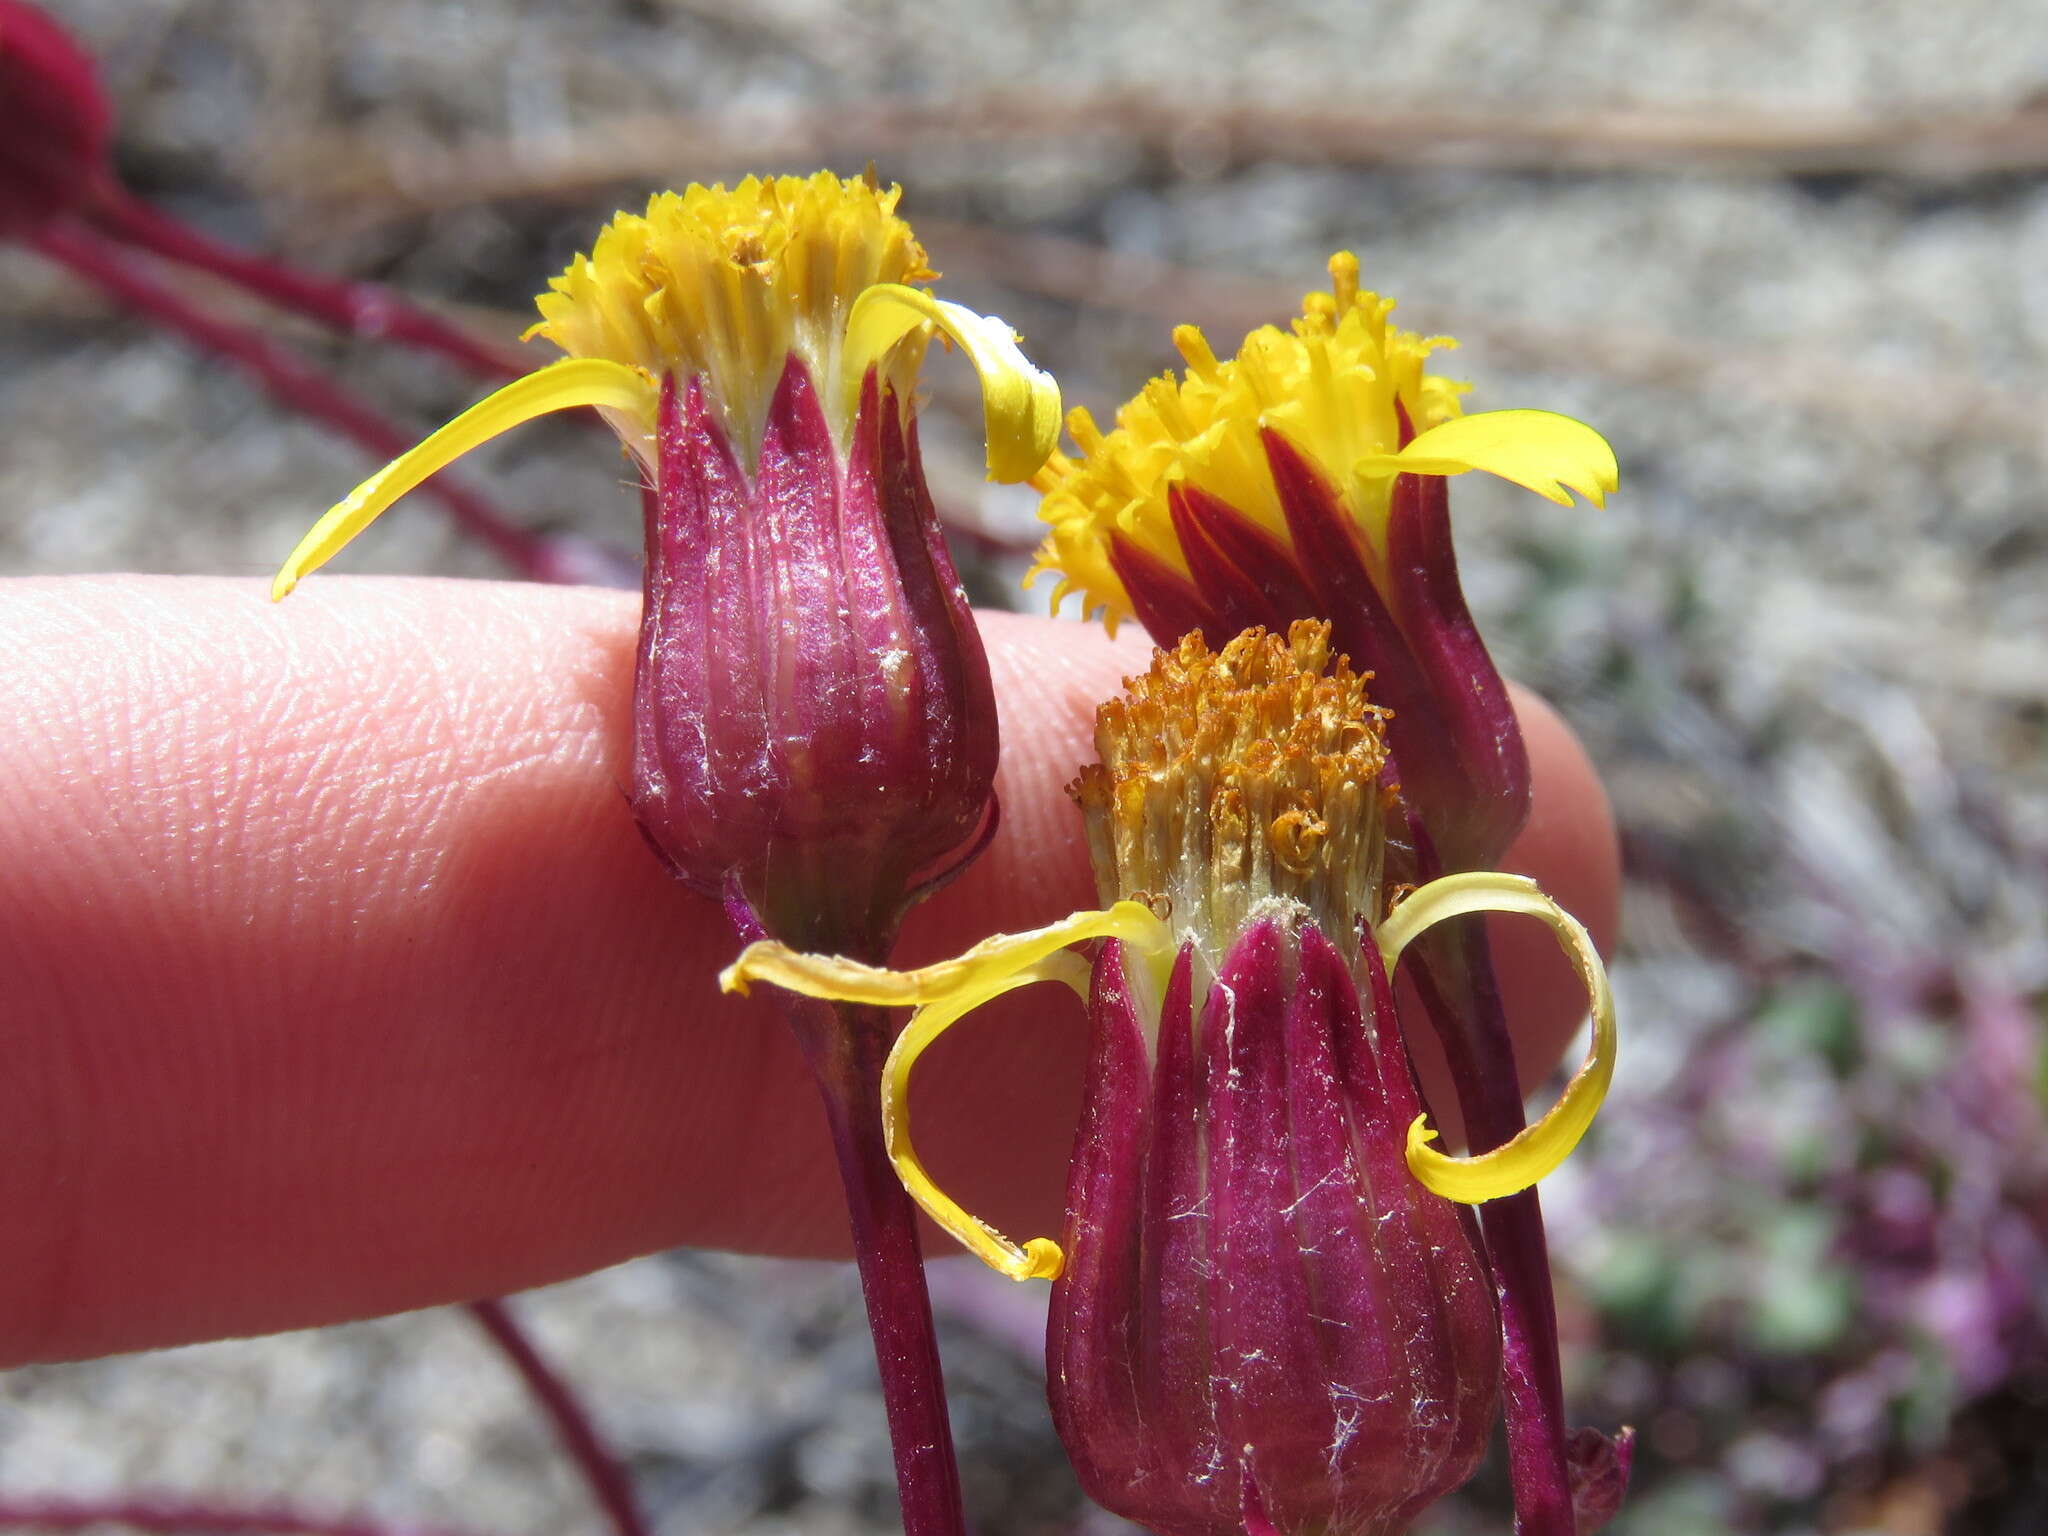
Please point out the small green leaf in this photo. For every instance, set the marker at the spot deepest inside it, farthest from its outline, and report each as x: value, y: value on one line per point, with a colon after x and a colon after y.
x: 1814, y: 1016
x: 1804, y: 1300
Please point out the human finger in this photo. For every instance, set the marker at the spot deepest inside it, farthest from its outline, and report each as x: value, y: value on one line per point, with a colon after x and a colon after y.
x: 341, y: 982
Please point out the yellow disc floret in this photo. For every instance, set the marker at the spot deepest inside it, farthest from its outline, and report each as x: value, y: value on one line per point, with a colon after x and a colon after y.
x: 1336, y: 386
x: 1230, y: 778
x: 725, y: 283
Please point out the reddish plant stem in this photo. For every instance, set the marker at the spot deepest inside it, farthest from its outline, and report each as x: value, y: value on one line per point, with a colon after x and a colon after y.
x: 357, y: 309
x: 179, y: 1517
x: 304, y: 388
x: 602, y: 1474
x: 846, y: 1047
x: 1455, y: 981
x: 847, y: 1058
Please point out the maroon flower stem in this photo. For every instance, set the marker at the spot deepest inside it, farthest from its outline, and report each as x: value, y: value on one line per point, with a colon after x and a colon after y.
x: 847, y: 1058
x: 602, y: 1474
x: 304, y: 388
x: 1455, y: 980
x: 357, y: 309
x: 846, y: 1047
x: 180, y: 1517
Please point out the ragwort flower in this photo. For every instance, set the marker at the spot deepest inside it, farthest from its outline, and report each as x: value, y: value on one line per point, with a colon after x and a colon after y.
x: 1267, y: 1314
x: 1304, y: 478
x: 1307, y: 477
x: 814, y: 734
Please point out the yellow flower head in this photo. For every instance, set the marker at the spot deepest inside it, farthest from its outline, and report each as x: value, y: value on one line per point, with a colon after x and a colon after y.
x: 1346, y: 388
x: 726, y: 287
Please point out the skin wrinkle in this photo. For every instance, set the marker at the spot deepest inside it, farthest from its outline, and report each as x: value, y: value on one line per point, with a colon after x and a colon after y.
x: 489, y: 911
x: 341, y: 981
x: 76, y: 1071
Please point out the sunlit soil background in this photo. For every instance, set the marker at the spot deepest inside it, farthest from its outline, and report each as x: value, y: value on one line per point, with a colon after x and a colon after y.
x: 1792, y: 259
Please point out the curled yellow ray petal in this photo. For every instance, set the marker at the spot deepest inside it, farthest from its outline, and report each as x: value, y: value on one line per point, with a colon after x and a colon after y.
x: 1549, y: 454
x: 848, y: 981
x: 1537, y: 1150
x: 558, y: 387
x: 943, y: 994
x: 1020, y: 403
x: 1038, y: 1259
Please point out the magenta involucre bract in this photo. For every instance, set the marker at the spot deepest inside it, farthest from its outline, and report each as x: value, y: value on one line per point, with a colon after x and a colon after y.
x: 1264, y: 1318
x: 813, y: 721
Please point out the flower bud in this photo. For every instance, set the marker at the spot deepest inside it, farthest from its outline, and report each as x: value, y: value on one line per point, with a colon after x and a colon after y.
x: 813, y: 721
x: 1265, y: 1320
x: 814, y: 735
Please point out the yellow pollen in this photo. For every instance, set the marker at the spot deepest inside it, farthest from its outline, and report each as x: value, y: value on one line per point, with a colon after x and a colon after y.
x: 1230, y: 778
x: 725, y: 283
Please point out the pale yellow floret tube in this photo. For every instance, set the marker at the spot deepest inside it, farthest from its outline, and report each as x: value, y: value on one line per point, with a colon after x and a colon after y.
x: 1536, y: 1151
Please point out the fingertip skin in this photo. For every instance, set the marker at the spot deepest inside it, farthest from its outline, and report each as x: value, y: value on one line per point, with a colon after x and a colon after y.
x: 331, y: 944
x: 338, y: 980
